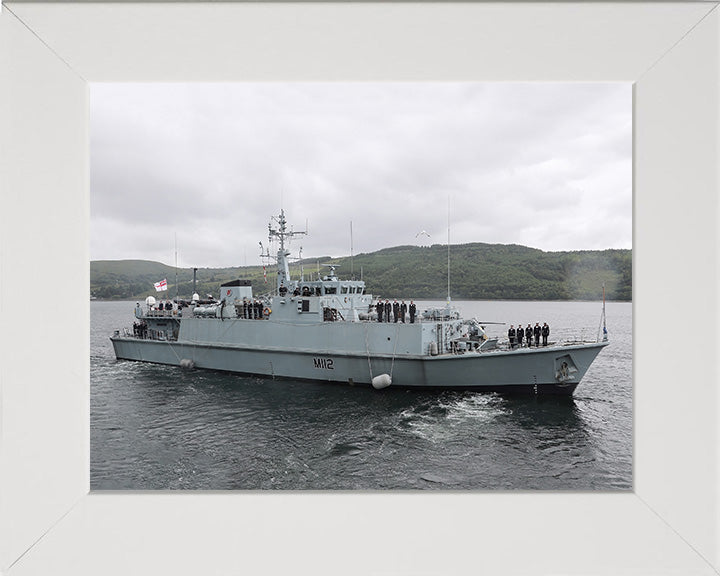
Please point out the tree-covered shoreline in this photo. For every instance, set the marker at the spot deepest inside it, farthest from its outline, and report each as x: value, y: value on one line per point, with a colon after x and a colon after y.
x: 478, y: 271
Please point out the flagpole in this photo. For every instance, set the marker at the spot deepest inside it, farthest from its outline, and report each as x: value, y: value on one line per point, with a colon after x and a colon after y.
x: 604, y: 326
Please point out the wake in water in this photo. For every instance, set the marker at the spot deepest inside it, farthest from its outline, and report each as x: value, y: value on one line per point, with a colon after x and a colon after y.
x: 451, y: 417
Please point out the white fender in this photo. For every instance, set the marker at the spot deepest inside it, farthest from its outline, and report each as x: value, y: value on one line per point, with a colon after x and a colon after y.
x: 381, y: 381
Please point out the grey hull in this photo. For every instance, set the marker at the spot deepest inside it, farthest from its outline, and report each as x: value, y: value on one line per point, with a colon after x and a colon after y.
x: 534, y: 370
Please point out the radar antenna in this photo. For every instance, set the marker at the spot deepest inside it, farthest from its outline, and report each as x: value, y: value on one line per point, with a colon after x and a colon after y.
x: 332, y: 267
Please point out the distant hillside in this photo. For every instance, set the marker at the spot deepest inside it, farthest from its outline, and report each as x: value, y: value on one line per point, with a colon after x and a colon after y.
x: 478, y: 271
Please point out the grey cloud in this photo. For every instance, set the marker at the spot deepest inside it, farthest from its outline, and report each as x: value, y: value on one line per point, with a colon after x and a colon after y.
x: 535, y: 164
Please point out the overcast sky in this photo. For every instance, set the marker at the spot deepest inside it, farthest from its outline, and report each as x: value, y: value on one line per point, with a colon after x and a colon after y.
x: 547, y: 165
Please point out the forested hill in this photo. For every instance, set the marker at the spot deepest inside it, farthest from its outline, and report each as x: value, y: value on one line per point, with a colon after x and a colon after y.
x: 477, y: 271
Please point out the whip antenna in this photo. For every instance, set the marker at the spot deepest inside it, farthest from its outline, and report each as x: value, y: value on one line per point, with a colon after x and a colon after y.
x: 176, y: 269
x: 448, y: 250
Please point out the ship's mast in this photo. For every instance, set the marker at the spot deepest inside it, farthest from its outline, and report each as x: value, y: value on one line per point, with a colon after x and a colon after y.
x: 282, y: 233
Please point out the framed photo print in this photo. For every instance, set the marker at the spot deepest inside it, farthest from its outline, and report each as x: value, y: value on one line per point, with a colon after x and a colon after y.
x: 57, y: 58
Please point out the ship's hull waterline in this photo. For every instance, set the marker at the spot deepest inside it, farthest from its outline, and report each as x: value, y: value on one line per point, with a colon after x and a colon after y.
x: 533, y: 370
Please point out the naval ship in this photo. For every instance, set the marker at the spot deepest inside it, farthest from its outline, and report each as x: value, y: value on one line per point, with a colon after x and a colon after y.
x: 328, y: 329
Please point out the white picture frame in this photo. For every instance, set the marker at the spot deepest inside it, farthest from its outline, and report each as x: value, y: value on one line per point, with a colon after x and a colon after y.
x: 50, y: 523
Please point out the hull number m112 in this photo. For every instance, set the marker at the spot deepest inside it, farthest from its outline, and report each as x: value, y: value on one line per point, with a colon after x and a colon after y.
x: 323, y: 363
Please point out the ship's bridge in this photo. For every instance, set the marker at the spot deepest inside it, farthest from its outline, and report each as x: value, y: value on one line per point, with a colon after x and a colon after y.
x: 328, y: 286
x: 322, y: 300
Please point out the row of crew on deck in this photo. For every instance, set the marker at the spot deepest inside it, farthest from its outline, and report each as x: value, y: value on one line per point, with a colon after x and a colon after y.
x: 140, y: 330
x: 387, y: 312
x: 163, y: 308
x: 529, y: 334
x: 251, y: 310
x: 162, y: 305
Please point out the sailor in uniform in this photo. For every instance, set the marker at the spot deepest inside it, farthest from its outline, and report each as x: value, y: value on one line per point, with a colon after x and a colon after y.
x: 396, y: 311
x: 545, y: 333
x: 536, y: 334
x: 520, y: 334
x: 412, y: 312
x: 403, y: 311
x: 528, y: 335
x: 380, y: 308
x: 511, y: 336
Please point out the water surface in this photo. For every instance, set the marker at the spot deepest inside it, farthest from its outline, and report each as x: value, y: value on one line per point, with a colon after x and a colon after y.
x: 160, y: 427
